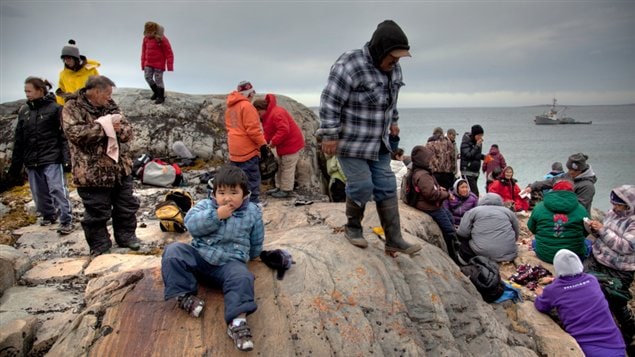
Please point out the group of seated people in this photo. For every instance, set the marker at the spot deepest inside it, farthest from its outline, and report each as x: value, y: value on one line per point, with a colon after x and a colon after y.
x: 560, y: 223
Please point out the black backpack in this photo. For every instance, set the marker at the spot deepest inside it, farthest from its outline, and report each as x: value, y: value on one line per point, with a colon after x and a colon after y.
x: 483, y: 273
x: 409, y: 191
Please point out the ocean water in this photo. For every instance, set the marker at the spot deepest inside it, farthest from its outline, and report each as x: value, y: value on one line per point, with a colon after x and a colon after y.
x: 531, y: 149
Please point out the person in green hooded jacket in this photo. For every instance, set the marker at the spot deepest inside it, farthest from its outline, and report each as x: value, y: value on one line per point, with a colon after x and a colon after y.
x: 558, y: 223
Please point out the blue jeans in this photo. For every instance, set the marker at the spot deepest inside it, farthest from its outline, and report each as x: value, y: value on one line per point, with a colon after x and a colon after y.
x: 443, y: 218
x: 366, y: 179
x: 251, y: 167
x: 182, y: 268
x: 48, y: 188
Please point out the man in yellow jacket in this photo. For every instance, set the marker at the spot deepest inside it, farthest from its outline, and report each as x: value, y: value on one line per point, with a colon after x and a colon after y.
x: 76, y: 71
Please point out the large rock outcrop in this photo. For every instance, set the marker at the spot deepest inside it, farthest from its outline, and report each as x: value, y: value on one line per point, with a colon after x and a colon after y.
x: 196, y: 120
x: 336, y: 300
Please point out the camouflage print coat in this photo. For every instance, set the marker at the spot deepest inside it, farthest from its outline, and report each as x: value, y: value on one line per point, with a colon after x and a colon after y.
x: 88, y: 142
x: 444, y: 155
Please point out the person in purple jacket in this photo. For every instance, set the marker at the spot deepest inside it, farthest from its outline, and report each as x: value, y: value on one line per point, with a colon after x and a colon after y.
x: 587, y: 319
x: 462, y: 200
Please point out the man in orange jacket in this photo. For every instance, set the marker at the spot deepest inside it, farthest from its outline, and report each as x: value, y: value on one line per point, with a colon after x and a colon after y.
x: 245, y: 137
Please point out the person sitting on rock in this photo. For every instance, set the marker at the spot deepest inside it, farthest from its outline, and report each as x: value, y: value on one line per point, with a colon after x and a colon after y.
x: 614, y: 256
x: 460, y: 201
x: 583, y: 178
x: 490, y: 230
x: 431, y: 196
x: 581, y: 307
x: 557, y: 223
x: 507, y: 187
x: 556, y: 171
x: 227, y: 231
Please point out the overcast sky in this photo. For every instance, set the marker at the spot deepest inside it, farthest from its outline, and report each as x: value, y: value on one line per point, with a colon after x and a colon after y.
x: 465, y: 53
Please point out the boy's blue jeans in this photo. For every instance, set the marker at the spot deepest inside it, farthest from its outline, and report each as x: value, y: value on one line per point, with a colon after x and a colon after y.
x: 182, y: 268
x: 367, y: 179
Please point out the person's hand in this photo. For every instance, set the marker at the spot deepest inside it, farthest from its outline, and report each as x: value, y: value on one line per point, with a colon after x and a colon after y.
x: 225, y: 211
x: 539, y: 290
x: 595, y: 225
x: 116, y: 123
x: 394, y: 129
x: 479, y: 141
x: 329, y: 147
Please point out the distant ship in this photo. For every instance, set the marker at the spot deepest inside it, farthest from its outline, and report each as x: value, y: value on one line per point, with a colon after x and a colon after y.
x: 553, y: 117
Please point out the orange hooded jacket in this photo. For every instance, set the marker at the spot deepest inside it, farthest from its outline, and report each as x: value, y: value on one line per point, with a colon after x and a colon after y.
x: 244, y: 132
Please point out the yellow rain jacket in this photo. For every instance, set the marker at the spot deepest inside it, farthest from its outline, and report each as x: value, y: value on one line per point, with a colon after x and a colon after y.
x: 72, y: 81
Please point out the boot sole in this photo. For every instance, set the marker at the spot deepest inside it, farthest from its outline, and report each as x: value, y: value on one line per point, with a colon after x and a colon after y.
x: 358, y: 242
x: 410, y: 251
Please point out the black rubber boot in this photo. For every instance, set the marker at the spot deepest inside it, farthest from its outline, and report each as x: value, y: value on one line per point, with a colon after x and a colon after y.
x: 452, y: 243
x: 160, y: 95
x: 388, y: 211
x: 353, y: 228
x: 154, y: 91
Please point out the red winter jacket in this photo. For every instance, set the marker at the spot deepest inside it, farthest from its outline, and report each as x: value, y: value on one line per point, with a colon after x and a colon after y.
x: 157, y: 53
x: 509, y: 192
x: 281, y: 131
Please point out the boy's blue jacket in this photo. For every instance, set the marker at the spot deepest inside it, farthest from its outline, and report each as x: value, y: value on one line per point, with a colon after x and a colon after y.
x: 238, y: 237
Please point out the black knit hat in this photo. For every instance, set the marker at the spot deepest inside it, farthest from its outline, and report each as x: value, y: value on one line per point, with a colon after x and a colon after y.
x: 477, y: 129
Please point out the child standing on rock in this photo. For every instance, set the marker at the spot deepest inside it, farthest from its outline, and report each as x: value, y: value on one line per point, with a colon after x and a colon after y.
x: 227, y: 231
x: 156, y: 57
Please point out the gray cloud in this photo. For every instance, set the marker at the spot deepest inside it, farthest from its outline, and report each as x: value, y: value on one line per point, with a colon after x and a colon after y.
x: 465, y: 53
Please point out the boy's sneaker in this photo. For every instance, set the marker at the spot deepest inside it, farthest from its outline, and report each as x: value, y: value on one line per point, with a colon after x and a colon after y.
x: 65, y: 229
x: 192, y: 304
x: 241, y: 334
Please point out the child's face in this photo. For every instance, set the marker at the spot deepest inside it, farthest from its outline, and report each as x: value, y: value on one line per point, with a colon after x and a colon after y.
x: 229, y: 195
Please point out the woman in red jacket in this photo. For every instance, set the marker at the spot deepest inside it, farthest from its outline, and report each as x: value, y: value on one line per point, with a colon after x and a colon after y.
x: 506, y: 187
x: 156, y: 57
x: 283, y: 134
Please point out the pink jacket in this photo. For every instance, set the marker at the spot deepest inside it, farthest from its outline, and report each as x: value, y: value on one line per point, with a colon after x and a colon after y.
x: 281, y: 131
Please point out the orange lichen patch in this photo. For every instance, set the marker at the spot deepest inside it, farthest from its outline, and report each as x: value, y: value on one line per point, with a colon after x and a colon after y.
x: 336, y: 295
x: 431, y: 271
x: 321, y: 305
x: 435, y: 298
x: 360, y: 271
x: 351, y: 301
x: 399, y: 328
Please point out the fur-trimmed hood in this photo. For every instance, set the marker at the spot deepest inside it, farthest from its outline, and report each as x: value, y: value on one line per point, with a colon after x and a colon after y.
x: 153, y: 29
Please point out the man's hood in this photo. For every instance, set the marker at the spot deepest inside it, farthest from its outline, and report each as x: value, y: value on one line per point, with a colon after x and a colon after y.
x: 561, y: 201
x: 421, y: 157
x: 387, y: 37
x: 490, y: 199
x: 235, y: 97
x: 627, y: 194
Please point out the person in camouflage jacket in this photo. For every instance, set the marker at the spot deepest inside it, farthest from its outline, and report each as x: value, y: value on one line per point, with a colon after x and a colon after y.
x: 104, y: 183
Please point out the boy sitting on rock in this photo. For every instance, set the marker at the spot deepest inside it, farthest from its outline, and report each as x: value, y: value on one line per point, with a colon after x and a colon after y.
x: 227, y: 231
